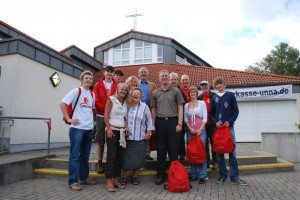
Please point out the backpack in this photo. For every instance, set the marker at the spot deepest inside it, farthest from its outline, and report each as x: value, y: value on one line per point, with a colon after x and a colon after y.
x: 70, y: 109
x: 178, y: 180
x: 195, y: 151
x: 222, y: 140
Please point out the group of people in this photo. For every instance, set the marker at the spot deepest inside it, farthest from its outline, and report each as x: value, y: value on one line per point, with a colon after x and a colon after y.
x: 129, y: 112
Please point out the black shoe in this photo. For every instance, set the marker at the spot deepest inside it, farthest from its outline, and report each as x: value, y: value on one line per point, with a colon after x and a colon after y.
x: 159, y: 180
x: 148, y: 157
x: 181, y: 158
x: 201, y: 181
x: 214, y: 166
x: 193, y: 179
x: 100, y: 169
x: 221, y: 180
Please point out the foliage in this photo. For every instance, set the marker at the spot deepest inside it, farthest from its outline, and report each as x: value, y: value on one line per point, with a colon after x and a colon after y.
x: 283, y: 60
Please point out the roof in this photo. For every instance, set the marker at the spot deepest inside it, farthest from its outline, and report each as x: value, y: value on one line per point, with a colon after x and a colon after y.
x: 232, y: 78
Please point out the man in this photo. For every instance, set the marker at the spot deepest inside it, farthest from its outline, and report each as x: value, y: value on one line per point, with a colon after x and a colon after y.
x: 185, y: 85
x: 119, y: 76
x: 147, y: 88
x: 210, y: 128
x: 80, y: 132
x: 224, y: 111
x: 103, y: 89
x: 174, y: 82
x: 167, y: 113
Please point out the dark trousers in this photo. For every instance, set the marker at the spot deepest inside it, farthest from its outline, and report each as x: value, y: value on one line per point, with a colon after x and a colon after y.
x: 182, y: 151
x: 167, y: 142
x: 210, y: 130
x: 114, y: 154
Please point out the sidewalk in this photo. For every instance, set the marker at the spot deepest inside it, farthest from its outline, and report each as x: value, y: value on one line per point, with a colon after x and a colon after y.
x: 285, y: 185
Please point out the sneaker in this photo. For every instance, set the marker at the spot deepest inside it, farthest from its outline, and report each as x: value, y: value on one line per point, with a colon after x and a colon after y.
x: 100, y: 169
x: 201, y: 181
x: 214, y: 166
x: 221, y: 180
x: 239, y: 182
x: 75, y: 187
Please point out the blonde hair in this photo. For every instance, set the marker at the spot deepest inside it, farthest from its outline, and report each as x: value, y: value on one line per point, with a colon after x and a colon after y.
x: 132, y: 78
x: 192, y: 88
x: 86, y: 72
x: 117, y: 95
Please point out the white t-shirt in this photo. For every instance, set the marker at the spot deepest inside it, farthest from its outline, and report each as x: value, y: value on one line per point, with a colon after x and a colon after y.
x: 83, y: 111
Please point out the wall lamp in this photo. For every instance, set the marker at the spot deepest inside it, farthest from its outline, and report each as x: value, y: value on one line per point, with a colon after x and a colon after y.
x: 55, y: 80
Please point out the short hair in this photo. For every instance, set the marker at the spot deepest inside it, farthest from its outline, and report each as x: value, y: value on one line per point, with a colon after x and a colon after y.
x: 143, y: 68
x: 192, y: 88
x: 134, y: 78
x: 218, y: 80
x: 139, y: 89
x: 163, y: 71
x: 173, y: 74
x: 86, y: 72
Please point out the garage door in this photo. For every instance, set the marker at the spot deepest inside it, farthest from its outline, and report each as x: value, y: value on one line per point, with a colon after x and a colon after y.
x: 264, y: 116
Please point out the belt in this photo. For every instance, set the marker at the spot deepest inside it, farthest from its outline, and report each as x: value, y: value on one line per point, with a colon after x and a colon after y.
x: 167, y: 118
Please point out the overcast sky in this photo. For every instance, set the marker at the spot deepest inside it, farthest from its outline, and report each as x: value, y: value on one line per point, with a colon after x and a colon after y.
x: 227, y: 34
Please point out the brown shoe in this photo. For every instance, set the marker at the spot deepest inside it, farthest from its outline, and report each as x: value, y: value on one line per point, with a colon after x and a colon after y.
x: 75, y: 187
x: 89, y: 182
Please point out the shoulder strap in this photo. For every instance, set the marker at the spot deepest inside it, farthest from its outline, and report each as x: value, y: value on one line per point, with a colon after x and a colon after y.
x: 79, y: 93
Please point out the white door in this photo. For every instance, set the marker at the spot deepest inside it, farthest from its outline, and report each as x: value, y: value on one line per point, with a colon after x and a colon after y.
x: 264, y: 116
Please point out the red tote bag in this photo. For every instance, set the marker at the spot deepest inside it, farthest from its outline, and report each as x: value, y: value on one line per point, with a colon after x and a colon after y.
x: 222, y: 140
x: 196, y: 153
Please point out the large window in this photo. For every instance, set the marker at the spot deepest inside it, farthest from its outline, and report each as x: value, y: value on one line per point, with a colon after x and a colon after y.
x: 159, y: 53
x: 105, y: 59
x: 121, y: 54
x: 142, y: 52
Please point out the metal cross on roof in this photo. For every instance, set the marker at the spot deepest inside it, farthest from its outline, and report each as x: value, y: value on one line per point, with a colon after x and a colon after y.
x: 135, y: 18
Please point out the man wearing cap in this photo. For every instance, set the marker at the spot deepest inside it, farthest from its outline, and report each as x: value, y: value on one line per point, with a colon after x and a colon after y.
x: 104, y: 88
x: 147, y: 89
x: 210, y: 128
x: 119, y: 76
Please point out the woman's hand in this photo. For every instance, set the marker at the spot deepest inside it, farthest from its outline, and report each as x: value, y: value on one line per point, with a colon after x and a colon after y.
x: 127, y: 131
x: 148, y: 135
x: 109, y: 133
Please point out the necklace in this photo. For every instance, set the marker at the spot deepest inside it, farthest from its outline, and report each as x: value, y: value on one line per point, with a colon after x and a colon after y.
x: 194, y: 103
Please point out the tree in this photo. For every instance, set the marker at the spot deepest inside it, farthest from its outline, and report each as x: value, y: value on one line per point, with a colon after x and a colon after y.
x: 283, y: 60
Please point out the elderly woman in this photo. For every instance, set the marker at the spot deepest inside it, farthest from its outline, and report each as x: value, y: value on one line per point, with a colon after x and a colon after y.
x: 114, y: 118
x: 140, y: 126
x: 195, y: 117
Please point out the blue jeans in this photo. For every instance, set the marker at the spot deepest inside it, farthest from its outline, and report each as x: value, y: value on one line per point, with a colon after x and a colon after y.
x: 202, y: 168
x: 233, y: 164
x: 81, y: 142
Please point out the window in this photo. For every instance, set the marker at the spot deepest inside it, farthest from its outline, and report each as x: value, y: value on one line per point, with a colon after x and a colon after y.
x: 121, y: 54
x: 159, y: 53
x: 142, y: 52
x: 105, y: 60
x: 180, y: 59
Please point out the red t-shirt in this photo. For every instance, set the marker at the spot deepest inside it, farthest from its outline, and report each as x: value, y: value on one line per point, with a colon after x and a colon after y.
x: 206, y: 99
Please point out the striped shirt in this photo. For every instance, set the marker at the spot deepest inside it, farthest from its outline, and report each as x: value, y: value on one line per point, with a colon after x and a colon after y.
x: 139, y: 121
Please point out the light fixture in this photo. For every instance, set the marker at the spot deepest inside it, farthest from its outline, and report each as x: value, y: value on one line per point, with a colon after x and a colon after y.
x: 55, y: 80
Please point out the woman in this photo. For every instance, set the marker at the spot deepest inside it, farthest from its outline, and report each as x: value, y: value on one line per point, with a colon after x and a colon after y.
x: 132, y: 82
x: 114, y: 118
x: 140, y: 126
x: 195, y: 117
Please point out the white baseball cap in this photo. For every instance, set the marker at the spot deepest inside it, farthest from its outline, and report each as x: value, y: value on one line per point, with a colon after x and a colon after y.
x: 204, y: 82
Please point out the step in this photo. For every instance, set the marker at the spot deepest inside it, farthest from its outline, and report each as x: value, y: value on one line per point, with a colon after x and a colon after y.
x: 279, y: 166
x: 62, y: 163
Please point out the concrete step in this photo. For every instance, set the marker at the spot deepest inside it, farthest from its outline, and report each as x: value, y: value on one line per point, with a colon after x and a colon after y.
x: 62, y: 163
x: 146, y: 174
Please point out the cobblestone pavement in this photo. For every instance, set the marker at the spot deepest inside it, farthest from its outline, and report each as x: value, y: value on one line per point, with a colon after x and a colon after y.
x: 277, y: 186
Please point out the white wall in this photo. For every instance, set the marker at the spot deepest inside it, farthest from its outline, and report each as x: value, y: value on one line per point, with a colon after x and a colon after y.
x: 26, y: 91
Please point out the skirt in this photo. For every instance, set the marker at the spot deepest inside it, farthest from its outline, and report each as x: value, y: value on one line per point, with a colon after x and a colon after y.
x: 134, y: 155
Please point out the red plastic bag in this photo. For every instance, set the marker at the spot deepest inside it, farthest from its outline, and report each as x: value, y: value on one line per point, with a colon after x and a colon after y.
x: 195, y: 151
x: 222, y: 140
x: 152, y: 142
x: 178, y: 180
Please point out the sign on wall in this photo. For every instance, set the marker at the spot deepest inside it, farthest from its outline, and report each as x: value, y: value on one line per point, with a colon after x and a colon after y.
x: 270, y: 92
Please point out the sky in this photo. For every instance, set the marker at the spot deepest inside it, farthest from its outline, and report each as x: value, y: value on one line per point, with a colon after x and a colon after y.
x: 229, y: 34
